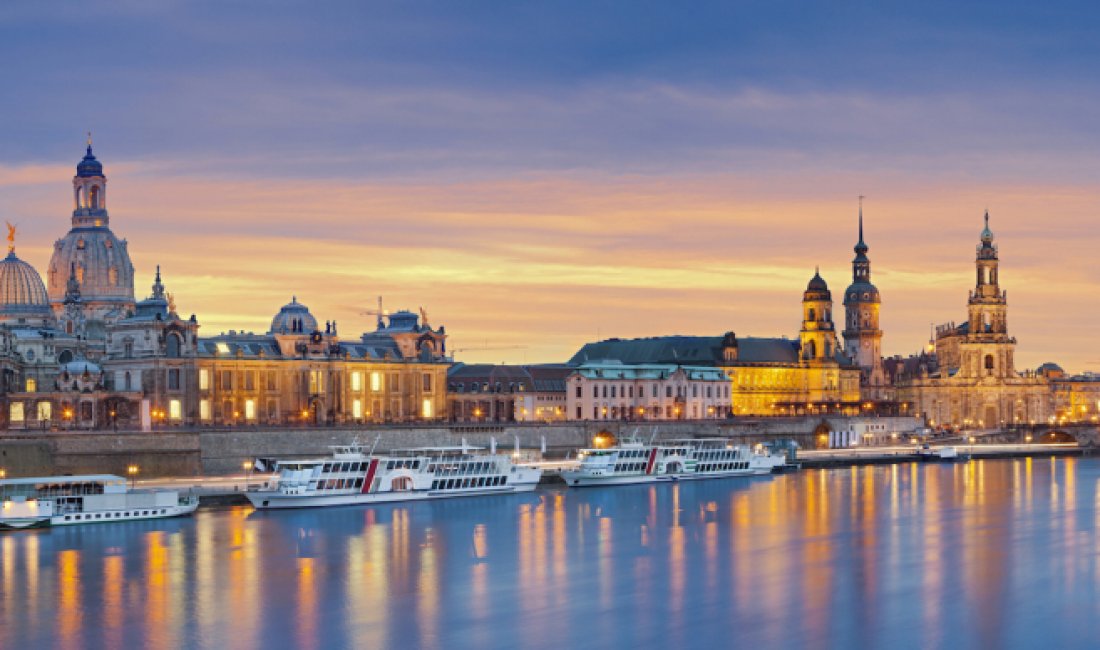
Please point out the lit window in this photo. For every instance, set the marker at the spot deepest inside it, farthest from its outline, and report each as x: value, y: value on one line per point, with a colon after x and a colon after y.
x: 16, y: 412
x: 426, y: 409
x: 204, y: 410
x: 45, y: 410
x: 204, y: 379
x: 175, y: 410
x: 376, y: 381
x: 32, y: 384
x: 357, y: 409
x: 357, y: 380
x: 250, y: 409
x: 223, y: 348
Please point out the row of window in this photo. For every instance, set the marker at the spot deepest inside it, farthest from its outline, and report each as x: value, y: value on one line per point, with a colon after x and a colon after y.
x: 720, y: 467
x: 459, y: 469
x: 720, y: 390
x: 629, y: 467
x: 474, y: 482
x: 338, y: 484
x: 250, y: 410
x: 116, y: 515
x: 311, y: 380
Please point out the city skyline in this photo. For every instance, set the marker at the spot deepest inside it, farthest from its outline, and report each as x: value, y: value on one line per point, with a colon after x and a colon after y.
x: 634, y: 178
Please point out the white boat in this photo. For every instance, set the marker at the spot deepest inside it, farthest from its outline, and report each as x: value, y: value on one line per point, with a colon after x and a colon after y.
x: 352, y: 476
x: 634, y: 462
x: 927, y: 453
x: 97, y: 498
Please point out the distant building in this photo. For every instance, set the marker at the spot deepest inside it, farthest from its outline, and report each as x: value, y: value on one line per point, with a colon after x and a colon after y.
x: 507, y: 393
x: 612, y: 390
x: 862, y: 335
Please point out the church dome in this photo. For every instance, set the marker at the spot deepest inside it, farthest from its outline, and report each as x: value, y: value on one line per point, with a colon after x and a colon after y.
x: 817, y: 289
x: 89, y: 166
x: 294, y: 317
x: 21, y: 290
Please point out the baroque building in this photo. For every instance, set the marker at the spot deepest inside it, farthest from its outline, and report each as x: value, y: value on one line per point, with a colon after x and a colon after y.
x: 766, y: 376
x: 79, y: 352
x: 972, y: 381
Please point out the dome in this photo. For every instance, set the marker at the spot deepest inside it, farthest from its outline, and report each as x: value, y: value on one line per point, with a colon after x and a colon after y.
x: 861, y: 292
x: 101, y: 263
x: 987, y: 234
x: 89, y: 166
x: 21, y: 290
x: 294, y: 317
x: 817, y: 289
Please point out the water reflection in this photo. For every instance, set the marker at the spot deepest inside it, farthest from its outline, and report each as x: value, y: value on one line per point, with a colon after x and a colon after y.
x: 986, y: 554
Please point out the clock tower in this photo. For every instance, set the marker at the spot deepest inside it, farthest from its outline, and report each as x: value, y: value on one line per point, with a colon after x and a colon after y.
x: 862, y: 336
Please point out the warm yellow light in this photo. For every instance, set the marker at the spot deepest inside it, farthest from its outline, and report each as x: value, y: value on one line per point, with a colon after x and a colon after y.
x: 246, y: 465
x: 132, y: 470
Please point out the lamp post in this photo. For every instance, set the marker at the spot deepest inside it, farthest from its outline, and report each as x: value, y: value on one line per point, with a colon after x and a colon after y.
x: 3, y: 473
x: 132, y: 471
x: 247, y: 466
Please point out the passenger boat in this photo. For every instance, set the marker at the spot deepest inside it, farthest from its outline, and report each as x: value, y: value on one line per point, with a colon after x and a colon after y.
x: 676, y: 460
x: 98, y: 498
x: 352, y: 476
x: 929, y: 454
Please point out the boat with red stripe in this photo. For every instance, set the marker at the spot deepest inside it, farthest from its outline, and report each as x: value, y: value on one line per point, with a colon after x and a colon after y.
x: 632, y: 462
x: 355, y: 476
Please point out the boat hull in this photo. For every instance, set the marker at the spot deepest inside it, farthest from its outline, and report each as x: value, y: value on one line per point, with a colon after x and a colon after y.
x: 133, y: 514
x: 580, y: 479
x: 274, y: 500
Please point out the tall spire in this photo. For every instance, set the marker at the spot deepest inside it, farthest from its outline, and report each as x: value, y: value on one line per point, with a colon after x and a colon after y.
x: 861, y: 247
x: 158, y: 287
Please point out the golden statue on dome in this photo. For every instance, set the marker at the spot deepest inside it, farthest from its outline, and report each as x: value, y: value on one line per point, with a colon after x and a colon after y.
x: 11, y: 237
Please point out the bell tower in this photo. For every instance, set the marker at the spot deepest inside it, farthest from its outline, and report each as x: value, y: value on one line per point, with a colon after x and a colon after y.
x: 862, y: 336
x: 987, y: 350
x: 818, y: 335
x: 89, y: 192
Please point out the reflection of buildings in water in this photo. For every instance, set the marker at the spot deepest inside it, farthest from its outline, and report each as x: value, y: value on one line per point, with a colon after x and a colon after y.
x: 306, y: 611
x: 113, y: 580
x: 70, y: 611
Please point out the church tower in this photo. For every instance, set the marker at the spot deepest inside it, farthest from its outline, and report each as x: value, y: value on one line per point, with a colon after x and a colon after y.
x: 89, y: 263
x: 862, y: 336
x: 987, y: 350
x: 818, y: 336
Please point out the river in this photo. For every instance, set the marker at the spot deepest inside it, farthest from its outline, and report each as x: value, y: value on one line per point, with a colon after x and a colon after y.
x: 990, y: 554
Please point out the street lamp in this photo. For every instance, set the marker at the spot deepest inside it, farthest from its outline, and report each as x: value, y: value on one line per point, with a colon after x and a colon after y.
x: 132, y: 470
x: 3, y: 473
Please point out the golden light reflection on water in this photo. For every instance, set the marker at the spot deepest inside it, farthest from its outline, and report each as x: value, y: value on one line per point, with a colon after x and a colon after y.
x: 815, y: 551
x: 70, y: 612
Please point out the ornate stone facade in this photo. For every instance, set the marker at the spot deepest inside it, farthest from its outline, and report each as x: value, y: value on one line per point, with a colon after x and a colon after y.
x: 973, y: 381
x: 79, y: 352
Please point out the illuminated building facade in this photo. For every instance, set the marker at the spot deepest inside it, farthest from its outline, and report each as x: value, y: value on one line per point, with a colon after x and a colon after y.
x: 79, y: 352
x: 612, y: 390
x: 507, y: 393
x: 765, y: 376
x: 862, y: 335
x: 973, y: 382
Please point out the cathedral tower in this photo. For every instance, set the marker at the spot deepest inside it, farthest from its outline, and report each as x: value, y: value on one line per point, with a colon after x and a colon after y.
x: 90, y: 262
x: 862, y: 336
x: 818, y: 336
x: 987, y: 348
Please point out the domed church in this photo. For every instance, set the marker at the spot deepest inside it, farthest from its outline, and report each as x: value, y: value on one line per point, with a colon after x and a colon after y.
x: 92, y: 258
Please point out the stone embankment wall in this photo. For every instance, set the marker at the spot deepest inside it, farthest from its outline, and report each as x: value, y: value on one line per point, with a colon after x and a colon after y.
x: 222, y: 451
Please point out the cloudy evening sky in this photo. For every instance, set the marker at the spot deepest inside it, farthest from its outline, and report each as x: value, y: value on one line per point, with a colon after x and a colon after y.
x: 536, y: 175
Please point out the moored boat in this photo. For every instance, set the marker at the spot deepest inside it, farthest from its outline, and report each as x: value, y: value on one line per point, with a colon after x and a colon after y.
x: 930, y: 454
x: 96, y: 498
x: 353, y: 476
x: 633, y: 462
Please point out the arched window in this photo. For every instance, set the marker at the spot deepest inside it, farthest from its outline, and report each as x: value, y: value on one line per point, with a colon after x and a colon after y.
x: 93, y: 198
x: 989, y: 362
x: 813, y: 314
x: 172, y: 346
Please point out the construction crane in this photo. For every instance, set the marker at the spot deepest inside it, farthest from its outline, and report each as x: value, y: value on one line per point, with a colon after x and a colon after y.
x: 380, y: 313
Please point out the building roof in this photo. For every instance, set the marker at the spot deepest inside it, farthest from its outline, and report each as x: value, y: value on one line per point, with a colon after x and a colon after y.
x: 22, y: 292
x: 687, y: 350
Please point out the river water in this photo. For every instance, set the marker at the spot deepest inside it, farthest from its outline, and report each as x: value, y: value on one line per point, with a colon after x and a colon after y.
x: 989, y: 554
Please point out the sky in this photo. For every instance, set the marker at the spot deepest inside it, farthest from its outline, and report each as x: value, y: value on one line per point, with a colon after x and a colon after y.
x: 540, y: 175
